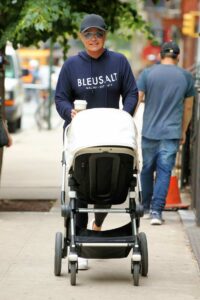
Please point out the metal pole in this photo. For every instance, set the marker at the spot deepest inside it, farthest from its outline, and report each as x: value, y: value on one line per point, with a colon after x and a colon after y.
x: 197, y: 182
x: 2, y: 95
x: 197, y: 189
x: 50, y: 86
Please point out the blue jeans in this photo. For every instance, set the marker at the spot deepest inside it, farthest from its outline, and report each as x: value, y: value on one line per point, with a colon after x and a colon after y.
x: 159, y: 157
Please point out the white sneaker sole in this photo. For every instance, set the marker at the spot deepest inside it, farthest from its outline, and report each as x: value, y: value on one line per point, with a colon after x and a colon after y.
x: 156, y: 222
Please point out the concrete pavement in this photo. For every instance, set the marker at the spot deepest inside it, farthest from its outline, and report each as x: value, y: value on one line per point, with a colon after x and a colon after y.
x: 27, y: 252
x: 32, y: 170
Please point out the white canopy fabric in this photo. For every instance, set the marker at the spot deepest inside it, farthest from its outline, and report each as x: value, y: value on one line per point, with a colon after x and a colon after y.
x: 99, y: 127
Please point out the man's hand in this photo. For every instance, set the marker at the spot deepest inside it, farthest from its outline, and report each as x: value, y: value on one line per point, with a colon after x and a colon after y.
x: 187, y: 115
x: 141, y: 96
x: 10, y: 141
x: 183, y: 138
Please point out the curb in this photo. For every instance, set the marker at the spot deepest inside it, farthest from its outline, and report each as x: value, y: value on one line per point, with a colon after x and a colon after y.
x: 192, y: 230
x: 37, y: 205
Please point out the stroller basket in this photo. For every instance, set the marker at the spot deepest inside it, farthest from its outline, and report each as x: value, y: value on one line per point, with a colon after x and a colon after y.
x: 114, y: 243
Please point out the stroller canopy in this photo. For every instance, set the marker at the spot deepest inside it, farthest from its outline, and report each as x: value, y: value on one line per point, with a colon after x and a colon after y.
x: 99, y: 127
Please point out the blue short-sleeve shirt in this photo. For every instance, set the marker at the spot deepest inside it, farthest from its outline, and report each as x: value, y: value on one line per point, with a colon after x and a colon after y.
x: 165, y: 88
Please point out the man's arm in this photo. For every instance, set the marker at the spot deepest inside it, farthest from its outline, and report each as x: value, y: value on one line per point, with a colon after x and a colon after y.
x: 63, y: 94
x: 141, y: 95
x: 129, y: 90
x: 187, y: 115
x: 141, y: 83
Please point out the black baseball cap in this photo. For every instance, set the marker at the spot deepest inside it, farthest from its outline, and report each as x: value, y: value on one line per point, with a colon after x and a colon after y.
x: 170, y: 47
x: 93, y: 20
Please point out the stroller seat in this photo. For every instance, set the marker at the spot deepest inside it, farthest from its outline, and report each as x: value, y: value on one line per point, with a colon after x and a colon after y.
x: 92, y: 166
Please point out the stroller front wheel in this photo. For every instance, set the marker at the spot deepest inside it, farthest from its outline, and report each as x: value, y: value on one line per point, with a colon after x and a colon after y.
x: 73, y: 270
x: 58, y: 254
x: 136, y: 273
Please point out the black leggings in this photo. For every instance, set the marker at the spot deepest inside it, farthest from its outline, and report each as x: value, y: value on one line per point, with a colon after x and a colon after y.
x: 82, y: 218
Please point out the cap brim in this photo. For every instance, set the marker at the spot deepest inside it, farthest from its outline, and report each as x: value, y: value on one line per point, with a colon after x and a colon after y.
x: 103, y: 29
x: 168, y: 51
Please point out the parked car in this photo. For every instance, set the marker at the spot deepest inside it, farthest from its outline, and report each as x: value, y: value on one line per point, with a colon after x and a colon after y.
x: 14, y: 90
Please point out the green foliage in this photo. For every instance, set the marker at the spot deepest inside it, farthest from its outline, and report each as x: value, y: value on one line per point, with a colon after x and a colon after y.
x: 9, y: 18
x: 44, y: 19
x: 27, y: 22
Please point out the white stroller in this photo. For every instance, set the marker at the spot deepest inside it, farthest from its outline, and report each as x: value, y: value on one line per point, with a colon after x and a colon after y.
x: 100, y: 162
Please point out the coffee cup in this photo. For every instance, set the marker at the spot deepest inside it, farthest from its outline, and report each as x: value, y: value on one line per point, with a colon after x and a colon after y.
x: 80, y: 105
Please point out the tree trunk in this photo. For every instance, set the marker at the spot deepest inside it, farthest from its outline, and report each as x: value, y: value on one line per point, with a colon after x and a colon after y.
x: 2, y: 94
x: 1, y: 161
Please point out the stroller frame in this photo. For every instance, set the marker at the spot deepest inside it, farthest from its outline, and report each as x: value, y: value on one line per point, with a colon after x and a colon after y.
x: 79, y: 245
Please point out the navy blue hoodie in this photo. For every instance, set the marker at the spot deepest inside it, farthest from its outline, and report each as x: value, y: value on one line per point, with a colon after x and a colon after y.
x: 98, y: 81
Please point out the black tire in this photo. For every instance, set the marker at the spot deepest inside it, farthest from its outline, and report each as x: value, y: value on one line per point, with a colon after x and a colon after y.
x: 19, y: 123
x: 136, y: 273
x: 144, y: 253
x: 73, y: 267
x: 12, y: 126
x: 58, y: 254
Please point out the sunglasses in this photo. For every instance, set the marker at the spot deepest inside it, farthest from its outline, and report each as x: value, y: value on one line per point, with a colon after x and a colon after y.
x: 89, y: 35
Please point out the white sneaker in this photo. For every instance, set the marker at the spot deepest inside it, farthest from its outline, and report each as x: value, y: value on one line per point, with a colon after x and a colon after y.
x: 82, y: 263
x: 156, y: 221
x: 156, y: 218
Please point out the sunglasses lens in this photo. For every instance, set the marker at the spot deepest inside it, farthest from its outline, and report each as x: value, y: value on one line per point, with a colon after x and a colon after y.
x: 99, y: 34
x: 89, y: 35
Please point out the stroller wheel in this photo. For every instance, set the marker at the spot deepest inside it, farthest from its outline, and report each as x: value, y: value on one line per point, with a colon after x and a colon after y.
x: 58, y: 254
x: 73, y: 269
x: 136, y: 273
x: 144, y: 253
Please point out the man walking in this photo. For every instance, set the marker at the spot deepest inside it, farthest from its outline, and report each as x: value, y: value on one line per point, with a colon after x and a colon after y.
x: 100, y: 77
x: 168, y: 93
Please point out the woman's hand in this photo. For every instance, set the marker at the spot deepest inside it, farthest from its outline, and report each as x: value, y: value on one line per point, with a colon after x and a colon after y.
x: 73, y: 113
x: 10, y: 140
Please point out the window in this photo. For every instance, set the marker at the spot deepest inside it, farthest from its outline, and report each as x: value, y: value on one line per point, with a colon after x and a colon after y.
x: 10, y: 72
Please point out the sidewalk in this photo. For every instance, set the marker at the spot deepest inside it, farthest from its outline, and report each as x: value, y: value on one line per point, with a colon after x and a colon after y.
x: 32, y: 171
x: 27, y: 252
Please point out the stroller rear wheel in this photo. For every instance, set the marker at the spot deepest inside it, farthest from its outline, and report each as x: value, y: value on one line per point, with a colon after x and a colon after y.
x: 144, y: 253
x: 58, y: 254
